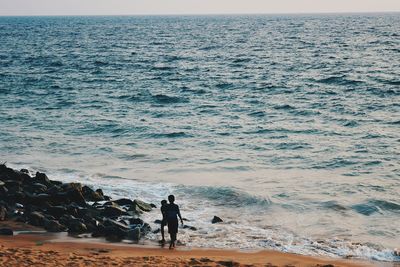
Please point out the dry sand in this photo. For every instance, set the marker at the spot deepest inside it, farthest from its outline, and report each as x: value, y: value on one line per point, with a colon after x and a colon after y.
x: 43, y: 250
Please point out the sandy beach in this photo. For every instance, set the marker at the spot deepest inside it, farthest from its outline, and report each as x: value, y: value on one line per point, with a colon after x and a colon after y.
x: 45, y: 250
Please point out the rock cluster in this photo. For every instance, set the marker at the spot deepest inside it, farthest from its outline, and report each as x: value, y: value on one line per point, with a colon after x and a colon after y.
x: 70, y: 207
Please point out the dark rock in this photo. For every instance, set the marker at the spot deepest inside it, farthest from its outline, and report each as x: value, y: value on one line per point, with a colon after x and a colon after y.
x: 153, y: 205
x: 36, y: 218
x: 134, y: 234
x: 157, y: 231
x: 190, y: 227
x: 123, y: 202
x: 115, y: 230
x: 39, y: 188
x: 24, y: 171
x: 113, y: 223
x: 40, y: 200
x: 3, y: 213
x: 6, y: 231
x: 13, y: 186
x: 53, y: 226
x: 72, y: 210
x: 112, y: 211
x: 75, y: 226
x: 66, y: 218
x: 59, y: 198
x: 157, y: 221
x: 75, y: 195
x: 91, y: 195
x: 42, y: 178
x: 3, y: 191
x: 216, y: 219
x: 136, y: 221
x: 145, y: 229
x: 56, y: 183
x: 49, y: 217
x: 53, y: 190
x: 57, y: 211
x: 123, y: 222
x: 143, y: 205
x: 70, y: 186
x: 10, y: 174
x: 100, y: 192
x: 91, y: 224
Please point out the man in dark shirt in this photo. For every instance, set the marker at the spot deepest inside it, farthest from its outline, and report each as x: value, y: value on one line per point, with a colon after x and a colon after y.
x: 172, y: 219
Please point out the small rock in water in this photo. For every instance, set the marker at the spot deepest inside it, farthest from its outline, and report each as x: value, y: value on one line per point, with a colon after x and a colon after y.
x: 190, y: 227
x: 396, y: 252
x: 216, y: 219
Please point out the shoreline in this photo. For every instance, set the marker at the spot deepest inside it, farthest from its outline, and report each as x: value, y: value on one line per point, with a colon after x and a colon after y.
x: 32, y: 249
x: 41, y: 212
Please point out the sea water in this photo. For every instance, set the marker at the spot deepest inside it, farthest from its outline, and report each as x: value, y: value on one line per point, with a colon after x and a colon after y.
x: 286, y: 127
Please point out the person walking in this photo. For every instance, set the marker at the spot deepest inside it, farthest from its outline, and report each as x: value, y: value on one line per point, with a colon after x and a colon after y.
x: 173, y: 213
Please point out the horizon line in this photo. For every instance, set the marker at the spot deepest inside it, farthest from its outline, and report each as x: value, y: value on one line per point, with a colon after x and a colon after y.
x: 205, y: 14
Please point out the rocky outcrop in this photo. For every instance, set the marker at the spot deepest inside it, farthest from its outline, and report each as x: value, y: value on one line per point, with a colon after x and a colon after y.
x: 72, y: 207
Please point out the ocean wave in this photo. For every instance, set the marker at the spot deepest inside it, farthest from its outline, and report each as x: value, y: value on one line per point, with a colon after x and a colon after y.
x: 165, y: 99
x: 170, y: 135
x: 225, y: 196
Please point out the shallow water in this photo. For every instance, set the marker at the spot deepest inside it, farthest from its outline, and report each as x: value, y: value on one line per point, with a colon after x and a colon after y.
x: 287, y: 127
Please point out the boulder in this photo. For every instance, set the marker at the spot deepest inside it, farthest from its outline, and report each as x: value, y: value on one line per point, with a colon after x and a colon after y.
x: 134, y: 234
x: 142, y: 205
x: 57, y: 211
x: 91, y: 195
x: 53, y: 226
x: 6, y: 231
x: 40, y: 200
x: 113, y: 223
x: 3, y: 191
x: 3, y: 213
x: 216, y: 219
x: 39, y: 188
x: 36, y: 218
x: 91, y: 224
x: 24, y: 171
x: 145, y: 229
x: 42, y: 179
x: 114, y: 234
x: 10, y: 174
x: 123, y: 202
x: 136, y: 221
x: 75, y: 226
x: 75, y: 195
x: 113, y: 211
x: 100, y: 192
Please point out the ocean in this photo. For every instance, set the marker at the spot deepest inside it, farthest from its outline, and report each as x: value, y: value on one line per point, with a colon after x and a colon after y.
x: 285, y: 126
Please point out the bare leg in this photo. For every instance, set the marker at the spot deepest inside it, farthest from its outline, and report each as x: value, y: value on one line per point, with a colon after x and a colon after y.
x: 162, y: 234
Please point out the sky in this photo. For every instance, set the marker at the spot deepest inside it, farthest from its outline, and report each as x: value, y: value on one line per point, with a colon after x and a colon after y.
x: 145, y: 7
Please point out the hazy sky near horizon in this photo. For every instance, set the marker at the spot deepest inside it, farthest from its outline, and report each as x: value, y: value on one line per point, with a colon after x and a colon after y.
x: 133, y: 7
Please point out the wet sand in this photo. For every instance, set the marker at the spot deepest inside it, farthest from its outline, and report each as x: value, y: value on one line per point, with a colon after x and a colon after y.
x: 50, y: 250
